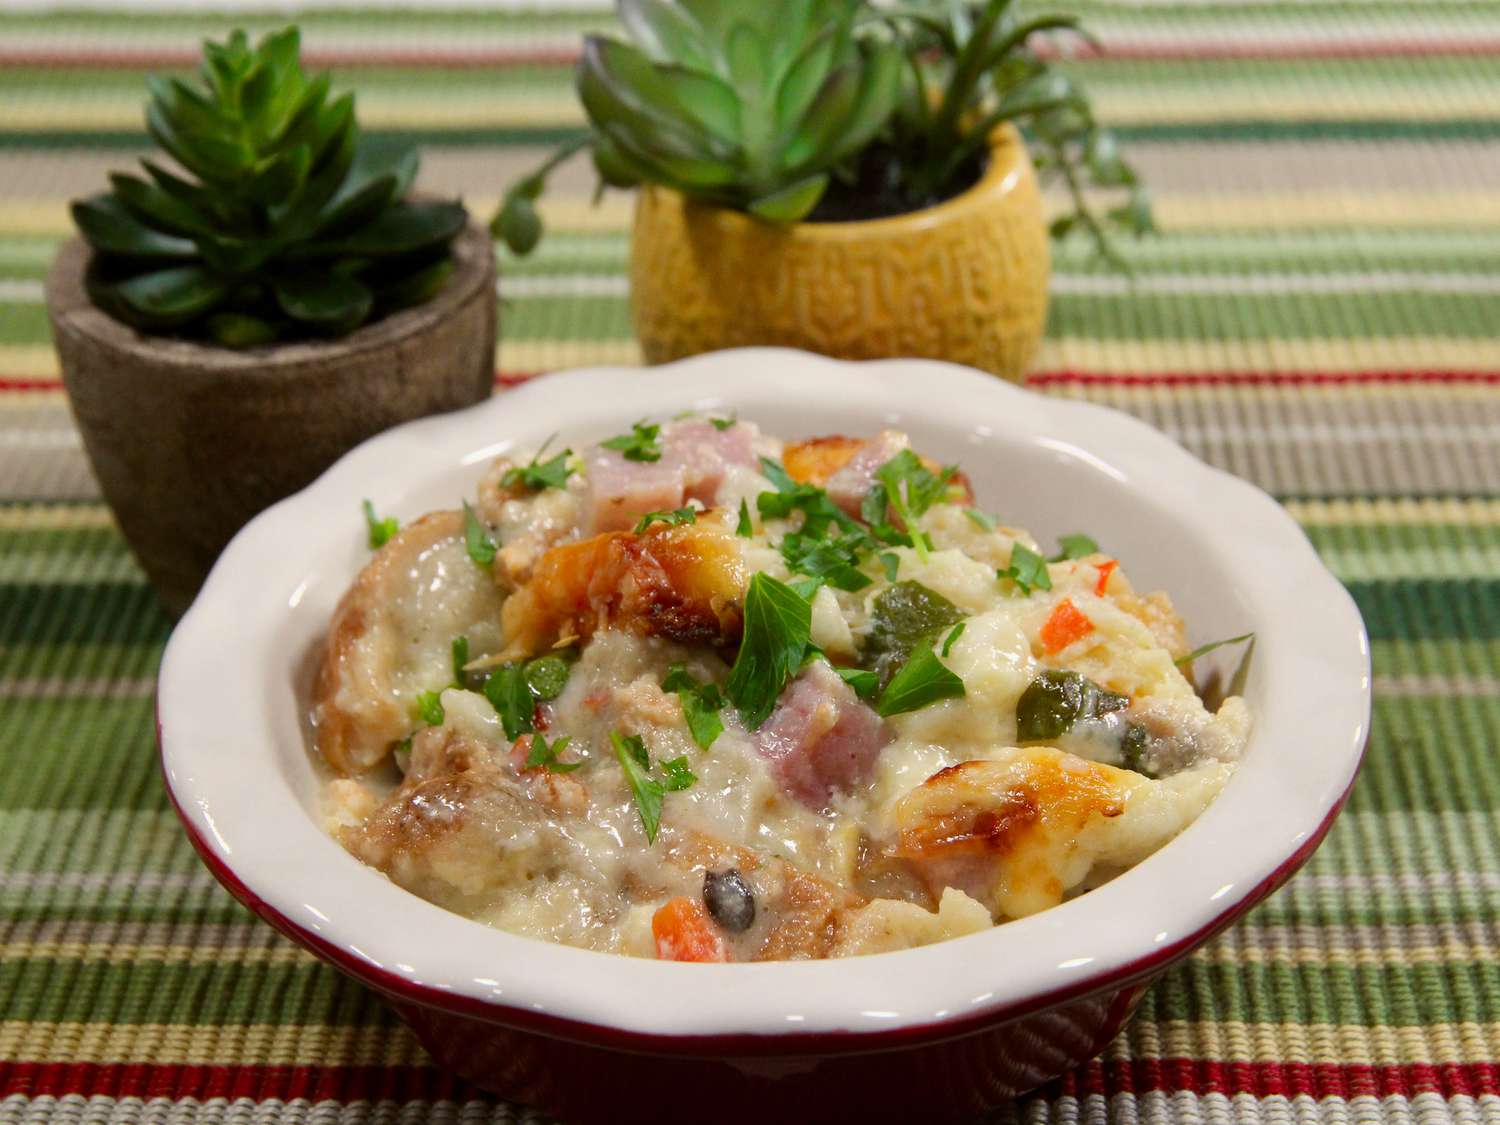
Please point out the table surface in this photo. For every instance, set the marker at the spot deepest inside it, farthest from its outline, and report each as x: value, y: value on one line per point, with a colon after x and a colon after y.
x: 1319, y: 315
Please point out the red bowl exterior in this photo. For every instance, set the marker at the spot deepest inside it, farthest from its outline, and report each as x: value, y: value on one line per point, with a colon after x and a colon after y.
x: 584, y: 1073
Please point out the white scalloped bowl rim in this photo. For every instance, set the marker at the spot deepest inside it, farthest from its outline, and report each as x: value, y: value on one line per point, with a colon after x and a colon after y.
x: 237, y: 766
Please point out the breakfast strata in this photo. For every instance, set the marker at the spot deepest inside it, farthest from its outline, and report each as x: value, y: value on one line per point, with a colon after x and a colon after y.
x: 697, y: 694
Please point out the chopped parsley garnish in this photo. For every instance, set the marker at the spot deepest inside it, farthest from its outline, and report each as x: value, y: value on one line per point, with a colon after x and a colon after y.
x: 635, y: 760
x: 1075, y: 546
x: 909, y: 489
x: 958, y: 631
x: 381, y: 530
x: 701, y: 704
x: 1204, y: 650
x: 905, y: 617
x: 744, y: 529
x: 981, y: 519
x: 833, y: 562
x: 430, y: 707
x: 477, y: 539
x: 923, y: 679
x: 539, y: 474
x: 546, y: 676
x: 545, y: 755
x: 640, y: 444
x: 778, y: 625
x: 818, y: 511
x: 864, y: 683
x: 675, y: 518
x: 1027, y: 569
x: 722, y: 424
x: 890, y: 562
x: 679, y: 775
x: 511, y: 697
x: 460, y: 650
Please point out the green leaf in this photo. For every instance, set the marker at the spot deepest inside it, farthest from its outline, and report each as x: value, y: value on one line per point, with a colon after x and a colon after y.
x: 833, y: 561
x: 640, y: 444
x: 635, y: 761
x: 380, y: 530
x: 952, y: 638
x: 709, y: 102
x: 824, y: 120
x: 1056, y: 700
x: 539, y: 474
x: 665, y: 31
x: 1074, y: 546
x: 546, y: 676
x: 923, y: 680
x: 327, y: 301
x: 879, y: 85
x: 904, y: 617
x: 865, y: 683
x: 239, y: 330
x: 678, y: 775
x: 407, y: 228
x: 111, y: 229
x: 802, y: 81
x: 675, y: 518
x: 429, y: 706
x: 1204, y: 650
x: 910, y: 489
x: 791, y: 203
x: 890, y: 562
x: 981, y: 520
x: 156, y: 208
x: 701, y: 704
x: 544, y: 755
x: 459, y: 651
x: 477, y: 540
x: 414, y: 288
x: 279, y: 178
x: 778, y: 625
x: 511, y: 697
x: 1027, y: 569
x: 744, y: 528
x: 172, y: 296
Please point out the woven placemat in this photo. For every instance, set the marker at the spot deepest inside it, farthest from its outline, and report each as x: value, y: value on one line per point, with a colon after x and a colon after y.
x: 1319, y: 315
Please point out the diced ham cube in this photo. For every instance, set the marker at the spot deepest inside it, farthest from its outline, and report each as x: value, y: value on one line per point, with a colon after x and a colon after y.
x: 705, y: 452
x: 620, y: 492
x: 694, y: 457
x: 821, y: 739
x: 847, y: 487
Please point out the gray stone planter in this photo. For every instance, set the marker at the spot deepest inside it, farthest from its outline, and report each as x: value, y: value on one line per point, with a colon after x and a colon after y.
x: 189, y: 442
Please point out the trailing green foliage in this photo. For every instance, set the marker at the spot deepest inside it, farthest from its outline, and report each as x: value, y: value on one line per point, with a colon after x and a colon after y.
x: 767, y: 107
x: 287, y: 225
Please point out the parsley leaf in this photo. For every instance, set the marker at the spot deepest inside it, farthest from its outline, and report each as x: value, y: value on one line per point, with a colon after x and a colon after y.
x: 675, y: 518
x: 981, y: 519
x: 923, y: 679
x: 1204, y: 650
x: 831, y: 561
x: 477, y: 539
x: 722, y: 424
x: 910, y: 489
x: 430, y: 707
x: 701, y: 704
x: 903, y: 618
x: 891, y: 563
x: 544, y: 755
x: 539, y: 474
x: 744, y: 529
x: 1027, y: 569
x: 679, y: 775
x: 640, y: 444
x: 864, y: 683
x: 778, y: 625
x: 818, y: 511
x: 460, y: 650
x: 546, y: 676
x: 635, y: 760
x: 381, y: 530
x: 511, y: 697
x: 1075, y: 546
x: 958, y: 631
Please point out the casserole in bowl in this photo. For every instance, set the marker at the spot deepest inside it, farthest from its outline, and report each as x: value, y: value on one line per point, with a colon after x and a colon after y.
x: 938, y: 1031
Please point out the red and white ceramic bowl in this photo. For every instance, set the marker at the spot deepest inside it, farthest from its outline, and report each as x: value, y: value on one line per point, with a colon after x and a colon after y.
x: 926, y: 1034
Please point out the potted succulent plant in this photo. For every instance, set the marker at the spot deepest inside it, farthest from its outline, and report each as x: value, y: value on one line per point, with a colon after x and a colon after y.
x: 839, y: 175
x: 229, y: 326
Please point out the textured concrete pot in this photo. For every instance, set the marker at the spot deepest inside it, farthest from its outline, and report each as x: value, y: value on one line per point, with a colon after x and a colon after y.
x: 964, y: 281
x: 189, y: 442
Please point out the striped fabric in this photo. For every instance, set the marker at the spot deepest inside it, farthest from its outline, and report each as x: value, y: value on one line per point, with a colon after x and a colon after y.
x: 1320, y: 315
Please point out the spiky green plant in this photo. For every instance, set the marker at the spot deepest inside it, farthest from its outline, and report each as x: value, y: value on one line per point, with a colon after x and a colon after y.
x: 778, y: 106
x: 287, y: 226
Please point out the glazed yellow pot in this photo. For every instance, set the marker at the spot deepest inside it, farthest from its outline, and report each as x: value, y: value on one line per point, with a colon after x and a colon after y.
x: 964, y: 281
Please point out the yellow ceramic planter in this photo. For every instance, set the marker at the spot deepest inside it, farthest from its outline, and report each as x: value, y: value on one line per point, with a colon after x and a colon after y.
x: 964, y: 281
